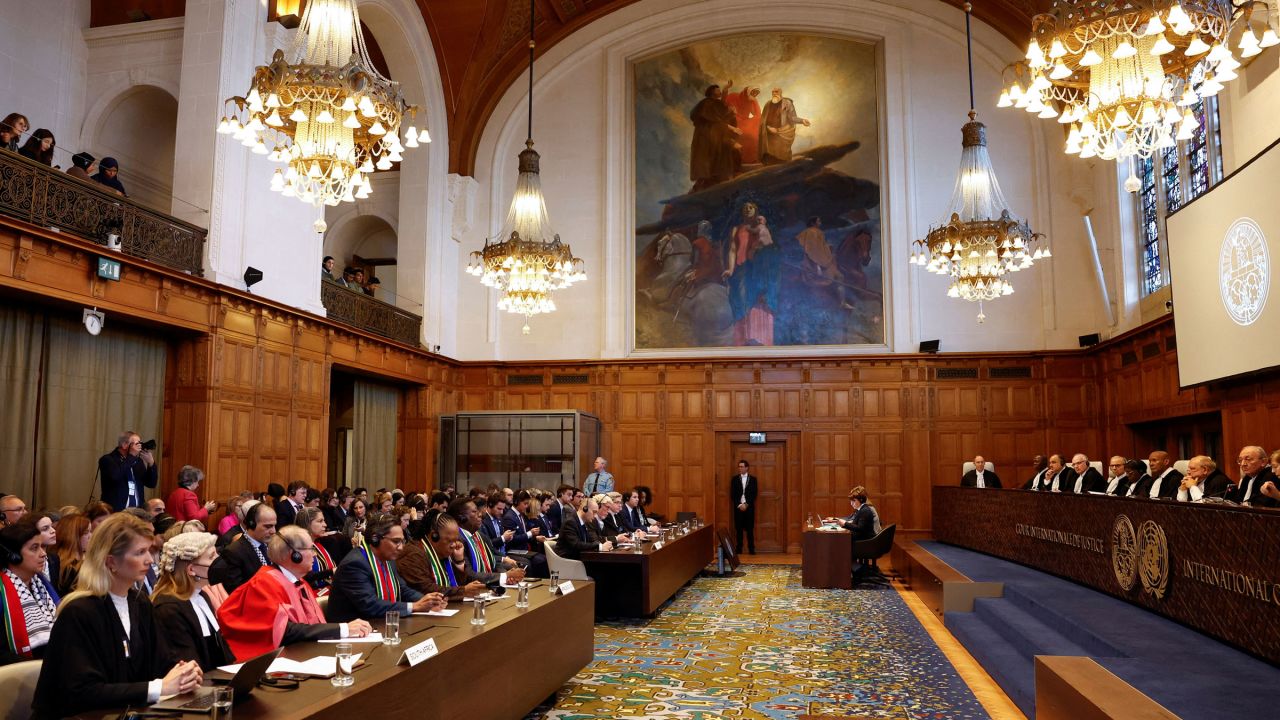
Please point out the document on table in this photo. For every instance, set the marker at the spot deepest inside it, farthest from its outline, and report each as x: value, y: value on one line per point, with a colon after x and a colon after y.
x: 373, y: 637
x: 319, y: 666
x: 439, y: 613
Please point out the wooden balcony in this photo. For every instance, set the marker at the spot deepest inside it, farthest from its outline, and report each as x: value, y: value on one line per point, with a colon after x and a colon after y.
x: 367, y: 313
x: 50, y: 198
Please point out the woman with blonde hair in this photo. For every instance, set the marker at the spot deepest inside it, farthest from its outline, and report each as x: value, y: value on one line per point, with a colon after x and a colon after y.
x: 184, y: 615
x: 73, y: 542
x: 104, y: 651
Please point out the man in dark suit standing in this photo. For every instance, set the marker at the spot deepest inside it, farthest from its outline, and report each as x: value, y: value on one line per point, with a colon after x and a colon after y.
x: 1086, y: 479
x: 1254, y: 476
x: 126, y: 472
x: 979, y: 476
x: 246, y: 554
x: 743, y: 489
x: 1165, y: 480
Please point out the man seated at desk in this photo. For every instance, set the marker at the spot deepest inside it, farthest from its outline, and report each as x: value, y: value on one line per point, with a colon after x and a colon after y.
x: 1203, y: 480
x: 579, y: 533
x: 366, y: 583
x: 864, y: 522
x: 481, y: 558
x: 606, y: 526
x: 276, y: 607
x: 980, y: 476
x: 435, y: 560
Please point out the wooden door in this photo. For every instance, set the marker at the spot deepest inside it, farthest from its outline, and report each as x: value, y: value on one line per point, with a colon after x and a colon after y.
x: 769, y: 465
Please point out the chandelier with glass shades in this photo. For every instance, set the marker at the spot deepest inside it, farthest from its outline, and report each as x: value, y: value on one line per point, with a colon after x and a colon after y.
x: 1123, y: 75
x: 982, y: 242
x: 527, y: 261
x: 323, y: 110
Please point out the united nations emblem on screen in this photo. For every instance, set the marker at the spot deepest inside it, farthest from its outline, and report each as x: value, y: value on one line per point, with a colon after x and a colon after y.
x: 1244, y: 271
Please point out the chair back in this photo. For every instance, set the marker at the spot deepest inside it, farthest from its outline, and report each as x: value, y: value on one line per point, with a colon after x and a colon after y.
x: 875, y: 547
x: 323, y: 602
x: 568, y: 569
x: 17, y: 688
x: 1097, y: 465
x: 1182, y: 466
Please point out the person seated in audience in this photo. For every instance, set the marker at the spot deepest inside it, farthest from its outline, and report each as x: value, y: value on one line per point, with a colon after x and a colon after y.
x: 1269, y: 487
x: 578, y: 498
x: 108, y: 175
x: 372, y: 287
x: 1165, y: 480
x: 613, y: 521
x: 863, y: 520
x: 1056, y: 476
x: 97, y: 512
x: 154, y: 506
x: 491, y: 528
x: 523, y: 536
x: 580, y: 533
x: 104, y: 651
x: 244, y: 555
x: 603, y: 525
x: 12, y: 508
x: 183, y: 503
x: 1040, y: 464
x: 28, y: 600
x: 435, y: 560
x: 73, y: 542
x: 646, y: 503
x: 294, y: 500
x: 1254, y: 475
x: 1203, y: 480
x: 184, y: 614
x: 382, y: 502
x: 277, y: 607
x: 1086, y: 478
x: 12, y: 128
x: 367, y: 585
x: 979, y: 476
x: 49, y: 538
x: 356, y: 521
x: 561, y: 508
x: 403, y: 515
x: 331, y: 547
x: 235, y: 513
x: 331, y: 505
x: 326, y: 269
x: 39, y: 147
x: 82, y: 165
x: 480, y: 556
x: 545, y: 502
x: 633, y: 514
x: 440, y: 501
x: 1117, y: 480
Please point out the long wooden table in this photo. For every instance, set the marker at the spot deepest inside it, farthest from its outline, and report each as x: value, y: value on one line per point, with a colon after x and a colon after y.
x: 636, y: 584
x: 826, y: 559
x: 1212, y: 567
x: 485, y: 671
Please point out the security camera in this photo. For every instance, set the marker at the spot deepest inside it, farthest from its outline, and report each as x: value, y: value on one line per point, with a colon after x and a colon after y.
x: 1168, y: 306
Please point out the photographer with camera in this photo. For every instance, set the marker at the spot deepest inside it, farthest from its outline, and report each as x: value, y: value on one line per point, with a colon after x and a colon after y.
x: 127, y: 470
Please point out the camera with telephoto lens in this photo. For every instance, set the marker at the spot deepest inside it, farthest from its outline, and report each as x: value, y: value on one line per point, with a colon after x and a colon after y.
x: 149, y: 445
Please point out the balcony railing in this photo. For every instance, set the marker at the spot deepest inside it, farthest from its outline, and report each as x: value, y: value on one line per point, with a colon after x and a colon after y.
x: 355, y: 308
x: 46, y: 197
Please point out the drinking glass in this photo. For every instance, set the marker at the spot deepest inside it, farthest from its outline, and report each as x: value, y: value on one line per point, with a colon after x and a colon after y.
x: 522, y: 594
x: 342, y: 676
x: 478, y: 609
x: 391, y: 628
x: 222, y: 697
x: 555, y: 581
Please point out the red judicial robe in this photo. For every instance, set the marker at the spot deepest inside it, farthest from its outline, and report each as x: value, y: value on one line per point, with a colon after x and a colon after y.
x: 256, y: 617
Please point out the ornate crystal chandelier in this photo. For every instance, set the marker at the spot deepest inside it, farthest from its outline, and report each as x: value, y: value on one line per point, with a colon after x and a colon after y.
x: 981, y: 242
x: 323, y: 110
x: 527, y: 261
x: 1125, y: 74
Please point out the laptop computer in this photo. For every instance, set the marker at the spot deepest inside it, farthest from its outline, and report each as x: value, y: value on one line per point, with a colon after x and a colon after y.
x: 242, y: 683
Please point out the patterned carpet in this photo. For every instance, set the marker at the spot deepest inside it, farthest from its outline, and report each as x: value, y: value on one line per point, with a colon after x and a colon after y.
x: 761, y: 646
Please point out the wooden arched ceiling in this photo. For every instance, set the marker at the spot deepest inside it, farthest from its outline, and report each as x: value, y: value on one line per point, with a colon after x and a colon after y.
x: 482, y: 47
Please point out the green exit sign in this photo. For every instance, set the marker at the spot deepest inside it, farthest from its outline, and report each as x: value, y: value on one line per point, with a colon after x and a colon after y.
x: 108, y: 269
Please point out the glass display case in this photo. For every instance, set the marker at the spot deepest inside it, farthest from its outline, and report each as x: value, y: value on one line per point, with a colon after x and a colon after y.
x: 535, y: 449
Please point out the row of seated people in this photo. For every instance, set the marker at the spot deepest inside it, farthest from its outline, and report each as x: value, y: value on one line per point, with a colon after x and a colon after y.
x: 136, y: 627
x: 1156, y: 478
x: 41, y: 145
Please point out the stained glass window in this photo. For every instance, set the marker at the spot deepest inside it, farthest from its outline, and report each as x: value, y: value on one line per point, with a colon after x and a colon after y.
x: 1149, y: 216
x: 1197, y: 149
x: 1172, y: 180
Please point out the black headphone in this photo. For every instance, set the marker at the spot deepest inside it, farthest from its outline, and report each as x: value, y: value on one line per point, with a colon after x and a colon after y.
x: 435, y: 526
x: 251, y: 517
x: 294, y: 553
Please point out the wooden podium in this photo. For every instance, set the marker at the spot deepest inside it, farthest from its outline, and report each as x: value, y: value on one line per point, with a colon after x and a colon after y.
x: 826, y: 559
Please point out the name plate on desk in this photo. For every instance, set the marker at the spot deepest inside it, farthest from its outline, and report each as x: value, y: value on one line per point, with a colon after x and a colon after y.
x: 565, y: 587
x: 419, y: 652
x: 657, y: 545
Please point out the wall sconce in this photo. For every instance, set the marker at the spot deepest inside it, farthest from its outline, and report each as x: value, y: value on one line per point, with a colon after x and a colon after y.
x: 286, y: 12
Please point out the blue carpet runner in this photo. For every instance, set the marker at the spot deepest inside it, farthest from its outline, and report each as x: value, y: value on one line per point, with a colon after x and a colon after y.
x: 1193, y: 675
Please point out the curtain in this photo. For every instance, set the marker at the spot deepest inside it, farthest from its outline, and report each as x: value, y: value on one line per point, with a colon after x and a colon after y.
x: 373, y: 442
x: 94, y: 388
x: 21, y: 337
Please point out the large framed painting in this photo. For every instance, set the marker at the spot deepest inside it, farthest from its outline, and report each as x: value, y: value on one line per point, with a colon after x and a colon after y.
x: 757, y: 189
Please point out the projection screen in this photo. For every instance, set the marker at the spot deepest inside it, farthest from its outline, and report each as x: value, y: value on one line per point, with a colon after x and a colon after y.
x: 1226, y: 293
